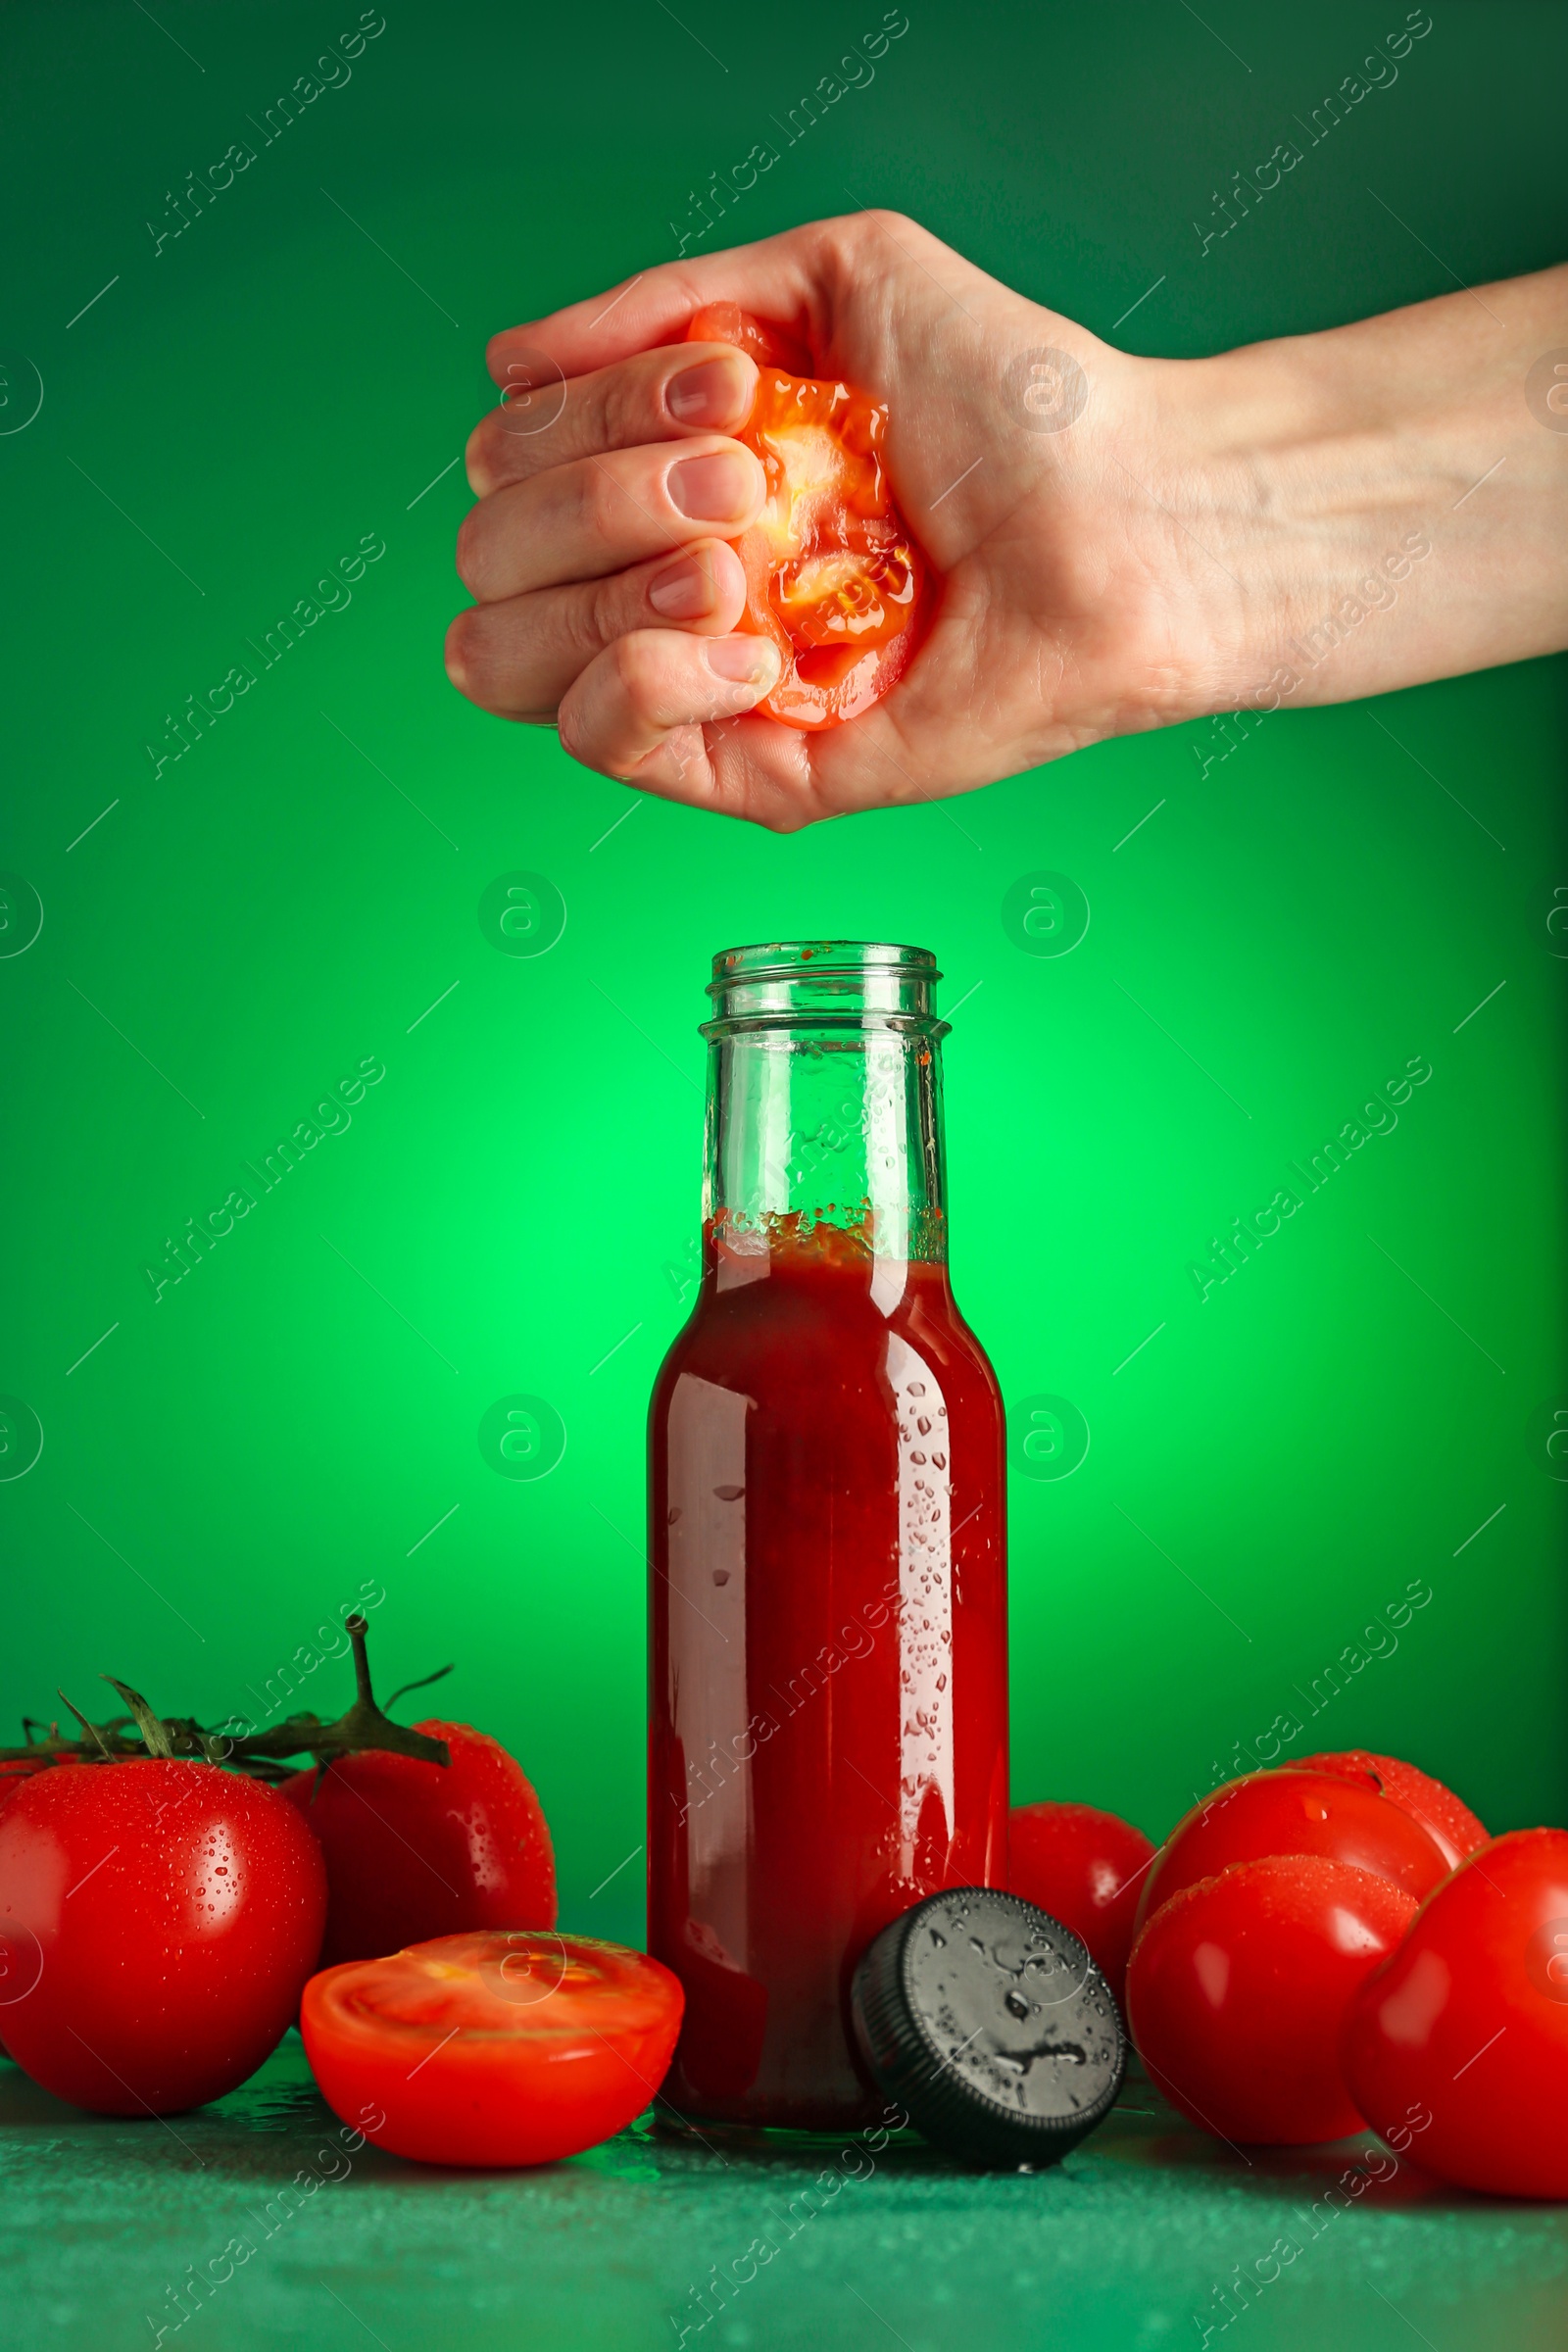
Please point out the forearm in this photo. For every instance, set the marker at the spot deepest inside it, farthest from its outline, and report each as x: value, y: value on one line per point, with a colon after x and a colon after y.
x: 1388, y: 501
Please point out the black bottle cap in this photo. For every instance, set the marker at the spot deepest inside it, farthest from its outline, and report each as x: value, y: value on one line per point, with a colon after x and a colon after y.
x: 991, y: 2026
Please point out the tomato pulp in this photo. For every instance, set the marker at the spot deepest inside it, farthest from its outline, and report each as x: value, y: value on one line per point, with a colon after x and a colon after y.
x: 828, y: 1708
x: 833, y: 574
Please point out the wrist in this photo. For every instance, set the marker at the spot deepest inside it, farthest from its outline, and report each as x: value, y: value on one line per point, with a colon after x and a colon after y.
x: 1315, y: 506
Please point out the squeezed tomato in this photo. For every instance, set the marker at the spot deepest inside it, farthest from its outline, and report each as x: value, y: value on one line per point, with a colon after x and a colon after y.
x: 833, y: 574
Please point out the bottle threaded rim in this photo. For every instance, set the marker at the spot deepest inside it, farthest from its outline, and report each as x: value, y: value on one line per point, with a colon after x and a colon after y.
x: 809, y: 959
x: 831, y: 984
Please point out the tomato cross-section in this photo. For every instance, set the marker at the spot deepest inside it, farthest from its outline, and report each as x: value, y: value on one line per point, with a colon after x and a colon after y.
x: 497, y: 2047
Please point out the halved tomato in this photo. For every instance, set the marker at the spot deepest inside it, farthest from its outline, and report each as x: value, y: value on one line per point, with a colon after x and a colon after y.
x: 496, y: 2047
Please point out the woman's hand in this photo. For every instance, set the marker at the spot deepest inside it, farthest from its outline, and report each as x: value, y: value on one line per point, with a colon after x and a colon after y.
x: 1122, y: 543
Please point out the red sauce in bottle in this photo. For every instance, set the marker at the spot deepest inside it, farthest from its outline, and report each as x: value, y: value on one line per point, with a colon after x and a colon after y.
x: 828, y: 1719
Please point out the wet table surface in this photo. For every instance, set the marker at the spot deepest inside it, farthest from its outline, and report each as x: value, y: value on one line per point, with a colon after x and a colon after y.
x: 1147, y: 2235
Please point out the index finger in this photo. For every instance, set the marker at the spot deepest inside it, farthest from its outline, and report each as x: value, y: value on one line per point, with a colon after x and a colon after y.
x: 778, y: 279
x: 664, y: 395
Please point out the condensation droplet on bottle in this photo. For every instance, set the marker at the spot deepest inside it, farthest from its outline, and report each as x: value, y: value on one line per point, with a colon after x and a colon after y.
x: 672, y: 1515
x: 917, y: 1457
x: 923, y: 1424
x: 916, y: 1388
x: 939, y: 1461
x: 729, y: 1493
x: 721, y: 1575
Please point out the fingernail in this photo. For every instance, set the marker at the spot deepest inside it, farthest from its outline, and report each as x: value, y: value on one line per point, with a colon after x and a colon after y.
x: 744, y: 662
x: 720, y: 488
x: 715, y: 392
x: 683, y: 591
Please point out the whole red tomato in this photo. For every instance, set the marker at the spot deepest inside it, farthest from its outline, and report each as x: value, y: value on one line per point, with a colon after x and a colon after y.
x: 1237, y: 1990
x: 493, y: 2048
x: 416, y: 1849
x: 1460, y: 2039
x: 157, y: 1921
x: 1087, y: 1869
x: 833, y: 574
x: 1344, y: 1820
x: 1448, y: 1822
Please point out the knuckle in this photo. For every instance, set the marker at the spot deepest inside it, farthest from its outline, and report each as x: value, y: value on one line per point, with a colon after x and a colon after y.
x: 622, y: 407
x: 602, y: 504
x: 864, y: 232
x: 860, y: 245
x: 852, y: 246
x: 882, y: 217
x: 638, y: 669
x: 597, y: 617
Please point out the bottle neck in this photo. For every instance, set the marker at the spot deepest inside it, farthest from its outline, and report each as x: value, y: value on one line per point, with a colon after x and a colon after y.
x: 824, y: 1113
x: 824, y: 1150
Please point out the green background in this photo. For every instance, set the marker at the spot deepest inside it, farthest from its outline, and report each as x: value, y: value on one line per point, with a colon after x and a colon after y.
x: 514, y: 1206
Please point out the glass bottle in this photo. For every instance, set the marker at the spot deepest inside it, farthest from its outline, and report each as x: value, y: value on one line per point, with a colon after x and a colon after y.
x: 829, y: 1710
